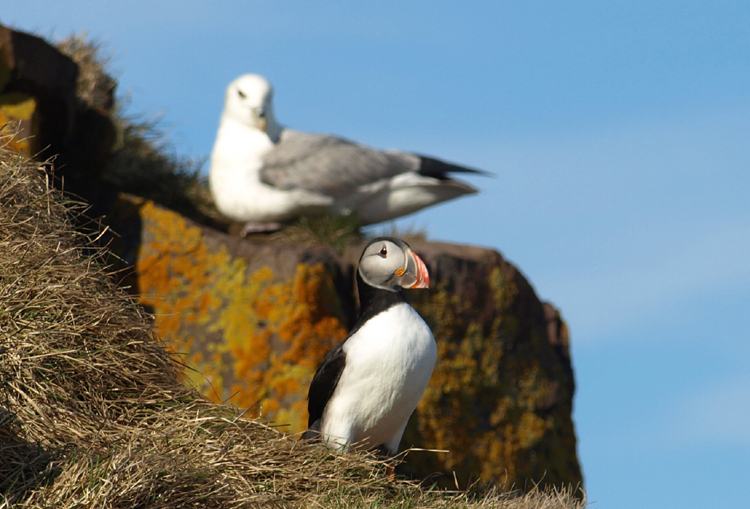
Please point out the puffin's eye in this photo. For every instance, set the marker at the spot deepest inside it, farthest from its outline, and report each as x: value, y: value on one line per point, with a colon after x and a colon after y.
x: 383, y: 252
x: 241, y: 93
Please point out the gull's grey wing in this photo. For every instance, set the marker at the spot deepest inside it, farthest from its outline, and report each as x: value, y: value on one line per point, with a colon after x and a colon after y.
x: 329, y: 165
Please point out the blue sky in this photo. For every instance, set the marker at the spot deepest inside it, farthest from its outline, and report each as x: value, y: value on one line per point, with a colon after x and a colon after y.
x: 619, y: 136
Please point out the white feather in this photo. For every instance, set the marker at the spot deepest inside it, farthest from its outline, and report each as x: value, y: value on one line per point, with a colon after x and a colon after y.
x: 236, y: 161
x: 389, y: 362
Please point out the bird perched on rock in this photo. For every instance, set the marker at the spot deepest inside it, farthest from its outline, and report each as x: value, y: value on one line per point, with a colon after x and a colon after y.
x: 263, y: 173
x: 369, y: 385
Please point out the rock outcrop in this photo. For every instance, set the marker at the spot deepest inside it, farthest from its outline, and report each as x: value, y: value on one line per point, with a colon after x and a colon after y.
x: 256, y: 319
x: 41, y: 98
x: 252, y: 320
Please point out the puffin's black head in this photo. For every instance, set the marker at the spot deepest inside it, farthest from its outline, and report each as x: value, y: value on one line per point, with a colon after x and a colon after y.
x: 390, y: 264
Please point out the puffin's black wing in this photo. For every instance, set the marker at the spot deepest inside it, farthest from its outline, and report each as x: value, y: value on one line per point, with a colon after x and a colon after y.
x: 323, y: 384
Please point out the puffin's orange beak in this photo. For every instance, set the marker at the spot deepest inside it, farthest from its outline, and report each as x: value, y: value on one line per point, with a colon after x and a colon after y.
x: 415, y: 273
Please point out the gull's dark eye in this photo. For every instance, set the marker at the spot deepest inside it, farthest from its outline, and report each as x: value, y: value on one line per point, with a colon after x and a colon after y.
x: 241, y: 94
x: 383, y: 252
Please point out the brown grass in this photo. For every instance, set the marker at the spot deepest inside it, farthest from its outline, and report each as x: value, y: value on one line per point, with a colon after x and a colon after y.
x: 94, y: 87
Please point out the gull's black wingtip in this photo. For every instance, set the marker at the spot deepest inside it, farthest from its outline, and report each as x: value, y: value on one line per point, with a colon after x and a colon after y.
x: 431, y: 167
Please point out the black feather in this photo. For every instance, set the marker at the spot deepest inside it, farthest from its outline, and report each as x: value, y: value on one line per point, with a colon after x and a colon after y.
x: 323, y: 384
x: 373, y: 301
x: 441, y: 170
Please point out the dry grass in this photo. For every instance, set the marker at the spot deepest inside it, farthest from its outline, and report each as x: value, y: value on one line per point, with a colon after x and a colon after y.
x: 94, y: 87
x: 93, y: 412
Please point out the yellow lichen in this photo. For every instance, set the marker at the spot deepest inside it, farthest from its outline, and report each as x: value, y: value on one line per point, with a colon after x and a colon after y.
x: 263, y: 337
x: 18, y: 117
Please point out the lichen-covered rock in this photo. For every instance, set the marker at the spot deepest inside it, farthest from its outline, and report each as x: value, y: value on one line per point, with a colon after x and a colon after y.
x: 32, y: 68
x: 254, y: 320
x: 500, y: 398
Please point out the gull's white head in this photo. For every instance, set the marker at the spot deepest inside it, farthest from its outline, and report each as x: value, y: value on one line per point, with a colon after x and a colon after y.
x: 249, y: 100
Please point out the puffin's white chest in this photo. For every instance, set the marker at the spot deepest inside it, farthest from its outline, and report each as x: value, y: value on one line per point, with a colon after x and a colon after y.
x: 389, y: 361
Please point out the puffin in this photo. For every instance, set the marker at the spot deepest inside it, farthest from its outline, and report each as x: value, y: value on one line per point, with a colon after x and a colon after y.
x: 367, y: 387
x: 264, y: 174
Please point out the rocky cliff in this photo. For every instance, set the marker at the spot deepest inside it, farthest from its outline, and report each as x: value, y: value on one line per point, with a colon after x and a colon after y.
x: 252, y: 319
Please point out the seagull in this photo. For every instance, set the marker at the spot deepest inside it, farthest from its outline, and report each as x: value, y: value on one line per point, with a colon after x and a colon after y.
x: 367, y: 387
x: 263, y: 173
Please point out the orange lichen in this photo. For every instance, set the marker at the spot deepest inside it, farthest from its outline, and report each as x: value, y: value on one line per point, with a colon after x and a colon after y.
x: 290, y: 313
x: 262, y: 338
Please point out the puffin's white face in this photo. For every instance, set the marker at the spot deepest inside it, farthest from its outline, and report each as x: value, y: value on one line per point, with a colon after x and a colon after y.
x: 390, y: 264
x: 248, y: 100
